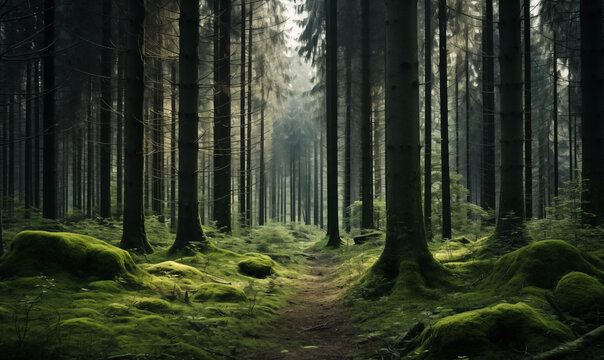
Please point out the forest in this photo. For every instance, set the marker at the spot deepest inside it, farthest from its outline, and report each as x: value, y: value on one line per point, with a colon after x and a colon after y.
x: 302, y: 179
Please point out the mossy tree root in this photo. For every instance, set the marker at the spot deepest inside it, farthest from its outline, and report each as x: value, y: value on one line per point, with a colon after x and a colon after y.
x: 574, y: 346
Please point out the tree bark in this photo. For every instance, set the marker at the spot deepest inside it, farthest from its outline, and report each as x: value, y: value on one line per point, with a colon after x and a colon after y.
x: 134, y: 235
x: 189, y: 223
x: 428, y: 120
x: 248, y: 189
x: 528, y: 113
x: 366, y: 128
x: 49, y: 175
x: 555, y: 113
x: 242, y: 138
x: 222, y: 123
x: 406, y: 257
x: 592, y: 84
x: 106, y: 109
x: 173, y: 203
x: 488, y: 111
x: 444, y: 120
x: 333, y: 230
x: 262, y: 189
x: 347, y: 139
x: 510, y: 219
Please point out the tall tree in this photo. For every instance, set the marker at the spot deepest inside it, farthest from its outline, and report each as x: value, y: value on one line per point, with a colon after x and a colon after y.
x: 555, y: 110
x: 366, y: 128
x: 428, y: 120
x: 592, y: 113
x: 488, y: 110
x: 528, y: 114
x: 444, y: 119
x: 222, y: 122
x: 510, y: 230
x: 189, y: 223
x: 134, y: 235
x: 261, y: 175
x: 347, y: 139
x: 333, y: 230
x: 406, y: 260
x: 106, y: 109
x: 242, y: 138
x: 49, y: 175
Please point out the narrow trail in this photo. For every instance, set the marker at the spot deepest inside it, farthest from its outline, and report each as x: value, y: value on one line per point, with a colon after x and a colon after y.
x: 313, y: 325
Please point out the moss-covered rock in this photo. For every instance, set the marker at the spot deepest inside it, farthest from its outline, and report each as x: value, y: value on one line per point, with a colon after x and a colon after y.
x: 85, y: 326
x: 491, y: 333
x: 219, y: 292
x: 173, y: 268
x: 153, y: 305
x: 256, y: 265
x: 33, y: 252
x: 579, y: 293
x: 540, y: 264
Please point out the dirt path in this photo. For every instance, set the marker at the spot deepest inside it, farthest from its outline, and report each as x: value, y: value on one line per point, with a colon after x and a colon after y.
x: 313, y: 325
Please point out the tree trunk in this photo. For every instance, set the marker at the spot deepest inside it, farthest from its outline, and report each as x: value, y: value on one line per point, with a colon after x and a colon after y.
x: 406, y: 257
x: 120, y: 120
x: 189, y: 222
x: 333, y: 230
x: 592, y: 84
x: 38, y: 131
x: 89, y: 154
x: 173, y: 202
x: 49, y: 176
x: 555, y: 113
x: 262, y: 190
x: 28, y: 138
x: 316, y: 184
x: 444, y: 120
x: 488, y: 111
x: 242, y: 139
x: 428, y: 120
x: 157, y: 130
x: 222, y: 123
x: 528, y: 113
x: 468, y: 168
x: 134, y: 235
x: 366, y: 128
x: 248, y: 188
x: 106, y: 109
x: 347, y: 132
x: 510, y: 219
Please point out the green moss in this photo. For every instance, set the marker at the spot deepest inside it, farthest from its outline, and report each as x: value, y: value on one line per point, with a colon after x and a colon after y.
x: 579, y: 294
x: 461, y: 240
x: 4, y: 313
x: 173, y: 268
x: 85, y: 326
x: 117, y: 309
x: 183, y: 350
x: 540, y: 264
x: 32, y: 252
x: 256, y: 265
x: 109, y: 286
x: 491, y: 333
x: 153, y: 305
x: 219, y: 292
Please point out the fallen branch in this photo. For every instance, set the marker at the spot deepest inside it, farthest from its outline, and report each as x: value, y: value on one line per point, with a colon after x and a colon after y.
x: 572, y: 346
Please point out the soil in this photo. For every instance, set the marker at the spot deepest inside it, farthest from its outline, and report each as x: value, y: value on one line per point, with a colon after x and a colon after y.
x: 314, y: 325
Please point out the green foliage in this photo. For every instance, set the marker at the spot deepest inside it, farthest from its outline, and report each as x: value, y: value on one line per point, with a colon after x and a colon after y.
x: 565, y: 219
x: 579, y: 294
x: 491, y: 333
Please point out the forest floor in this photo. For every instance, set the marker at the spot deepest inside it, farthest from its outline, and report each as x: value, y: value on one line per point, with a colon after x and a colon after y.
x: 314, y: 324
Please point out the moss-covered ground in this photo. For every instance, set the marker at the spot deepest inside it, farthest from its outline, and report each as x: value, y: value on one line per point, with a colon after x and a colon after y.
x: 277, y: 292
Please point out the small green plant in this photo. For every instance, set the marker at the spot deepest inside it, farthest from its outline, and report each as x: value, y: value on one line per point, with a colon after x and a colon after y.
x: 22, y: 314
